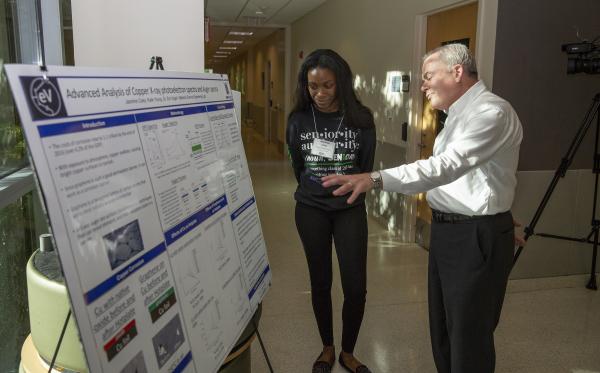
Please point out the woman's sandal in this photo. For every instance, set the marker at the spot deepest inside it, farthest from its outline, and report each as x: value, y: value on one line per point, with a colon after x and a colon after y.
x: 321, y: 366
x: 360, y: 369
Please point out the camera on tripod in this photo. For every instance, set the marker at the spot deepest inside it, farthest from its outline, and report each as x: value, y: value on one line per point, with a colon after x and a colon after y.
x: 584, y: 57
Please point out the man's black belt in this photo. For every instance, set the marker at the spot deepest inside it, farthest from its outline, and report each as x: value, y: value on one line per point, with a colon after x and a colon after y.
x: 449, y: 217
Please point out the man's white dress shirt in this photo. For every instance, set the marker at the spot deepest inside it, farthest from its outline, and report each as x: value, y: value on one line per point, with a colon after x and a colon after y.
x: 473, y: 167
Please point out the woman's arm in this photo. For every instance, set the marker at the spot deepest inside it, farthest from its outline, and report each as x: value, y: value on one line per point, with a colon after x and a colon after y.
x: 293, y: 145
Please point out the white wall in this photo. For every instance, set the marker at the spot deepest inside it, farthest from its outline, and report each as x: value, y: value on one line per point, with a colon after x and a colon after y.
x: 120, y: 33
x: 376, y: 38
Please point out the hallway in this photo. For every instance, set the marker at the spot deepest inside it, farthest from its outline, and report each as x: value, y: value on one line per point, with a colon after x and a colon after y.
x: 548, y: 325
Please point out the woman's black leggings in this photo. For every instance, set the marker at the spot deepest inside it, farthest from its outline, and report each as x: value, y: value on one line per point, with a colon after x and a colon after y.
x: 348, y: 228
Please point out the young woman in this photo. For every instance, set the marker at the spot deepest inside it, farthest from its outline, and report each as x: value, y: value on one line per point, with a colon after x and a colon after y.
x: 329, y: 131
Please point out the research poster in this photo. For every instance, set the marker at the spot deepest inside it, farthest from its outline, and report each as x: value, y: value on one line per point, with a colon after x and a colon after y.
x: 147, y: 189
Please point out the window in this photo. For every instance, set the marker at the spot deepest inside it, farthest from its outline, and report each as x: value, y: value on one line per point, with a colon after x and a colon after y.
x: 67, y: 32
x: 12, y: 148
x: 21, y: 217
x: 16, y: 234
x: 17, y: 243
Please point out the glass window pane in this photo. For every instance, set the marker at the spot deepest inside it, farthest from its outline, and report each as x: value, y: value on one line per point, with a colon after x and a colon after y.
x: 12, y: 147
x: 17, y: 220
x: 67, y: 26
x: 17, y: 243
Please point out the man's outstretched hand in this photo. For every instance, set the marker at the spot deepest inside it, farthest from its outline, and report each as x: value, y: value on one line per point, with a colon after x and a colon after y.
x: 519, y: 238
x: 357, y: 184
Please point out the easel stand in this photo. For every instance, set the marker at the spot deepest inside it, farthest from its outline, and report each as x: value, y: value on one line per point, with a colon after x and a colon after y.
x: 262, y: 346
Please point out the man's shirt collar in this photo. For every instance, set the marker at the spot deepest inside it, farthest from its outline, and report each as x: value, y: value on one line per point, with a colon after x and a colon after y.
x: 463, y: 101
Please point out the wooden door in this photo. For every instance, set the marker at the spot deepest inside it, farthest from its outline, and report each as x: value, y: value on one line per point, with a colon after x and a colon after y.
x: 453, y: 25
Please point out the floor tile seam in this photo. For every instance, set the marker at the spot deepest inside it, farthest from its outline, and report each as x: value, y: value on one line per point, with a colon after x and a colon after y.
x: 339, y: 308
x: 543, y: 290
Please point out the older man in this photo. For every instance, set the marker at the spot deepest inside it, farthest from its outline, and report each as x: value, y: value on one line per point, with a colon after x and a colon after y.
x: 470, y: 180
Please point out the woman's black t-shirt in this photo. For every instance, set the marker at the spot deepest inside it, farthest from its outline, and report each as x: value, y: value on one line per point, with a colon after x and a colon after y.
x: 354, y: 153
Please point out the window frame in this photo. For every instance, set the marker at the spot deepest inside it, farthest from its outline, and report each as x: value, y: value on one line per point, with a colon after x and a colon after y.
x: 27, y: 48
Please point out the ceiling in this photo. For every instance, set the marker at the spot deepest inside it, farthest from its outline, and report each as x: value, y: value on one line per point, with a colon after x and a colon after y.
x: 261, y: 17
x: 218, y: 34
x: 252, y: 12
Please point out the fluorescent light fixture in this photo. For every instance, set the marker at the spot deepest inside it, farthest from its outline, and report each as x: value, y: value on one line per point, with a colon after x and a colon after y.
x: 233, y: 41
x: 228, y: 48
x: 220, y: 56
x: 222, y: 52
x: 241, y: 33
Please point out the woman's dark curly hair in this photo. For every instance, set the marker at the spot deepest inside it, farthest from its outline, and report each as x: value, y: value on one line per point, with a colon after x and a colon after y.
x: 355, y: 113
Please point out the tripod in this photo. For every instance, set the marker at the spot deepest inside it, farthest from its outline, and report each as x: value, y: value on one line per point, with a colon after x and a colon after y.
x: 593, y: 112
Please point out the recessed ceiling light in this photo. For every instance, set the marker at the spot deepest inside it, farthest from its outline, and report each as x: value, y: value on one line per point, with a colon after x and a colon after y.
x: 233, y: 41
x: 241, y: 33
x: 228, y: 48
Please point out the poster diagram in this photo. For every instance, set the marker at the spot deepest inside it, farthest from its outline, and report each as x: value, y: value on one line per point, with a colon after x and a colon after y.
x: 190, y: 277
x: 164, y: 144
x: 209, y: 327
x: 152, y: 209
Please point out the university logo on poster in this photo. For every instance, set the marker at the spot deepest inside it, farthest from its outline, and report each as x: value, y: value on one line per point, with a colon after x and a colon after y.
x: 43, y: 97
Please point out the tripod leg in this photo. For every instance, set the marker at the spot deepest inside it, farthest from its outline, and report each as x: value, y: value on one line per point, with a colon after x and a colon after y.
x: 566, y: 161
x: 592, y: 283
x: 595, y: 222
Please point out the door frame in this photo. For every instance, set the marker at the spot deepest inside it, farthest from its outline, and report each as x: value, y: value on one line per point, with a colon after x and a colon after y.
x: 268, y: 99
x: 487, y: 15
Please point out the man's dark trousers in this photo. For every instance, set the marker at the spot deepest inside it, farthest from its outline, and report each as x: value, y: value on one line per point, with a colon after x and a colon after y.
x: 469, y: 264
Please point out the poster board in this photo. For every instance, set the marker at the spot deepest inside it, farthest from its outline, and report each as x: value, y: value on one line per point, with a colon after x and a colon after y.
x: 150, y: 201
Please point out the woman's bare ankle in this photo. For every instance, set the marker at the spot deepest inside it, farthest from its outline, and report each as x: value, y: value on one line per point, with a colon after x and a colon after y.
x: 328, y: 354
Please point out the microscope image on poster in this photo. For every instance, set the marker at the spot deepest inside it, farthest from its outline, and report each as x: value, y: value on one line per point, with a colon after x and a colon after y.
x: 123, y: 243
x: 136, y: 365
x: 168, y: 340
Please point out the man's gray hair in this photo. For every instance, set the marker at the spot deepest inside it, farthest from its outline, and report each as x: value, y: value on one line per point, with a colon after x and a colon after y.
x: 456, y: 54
